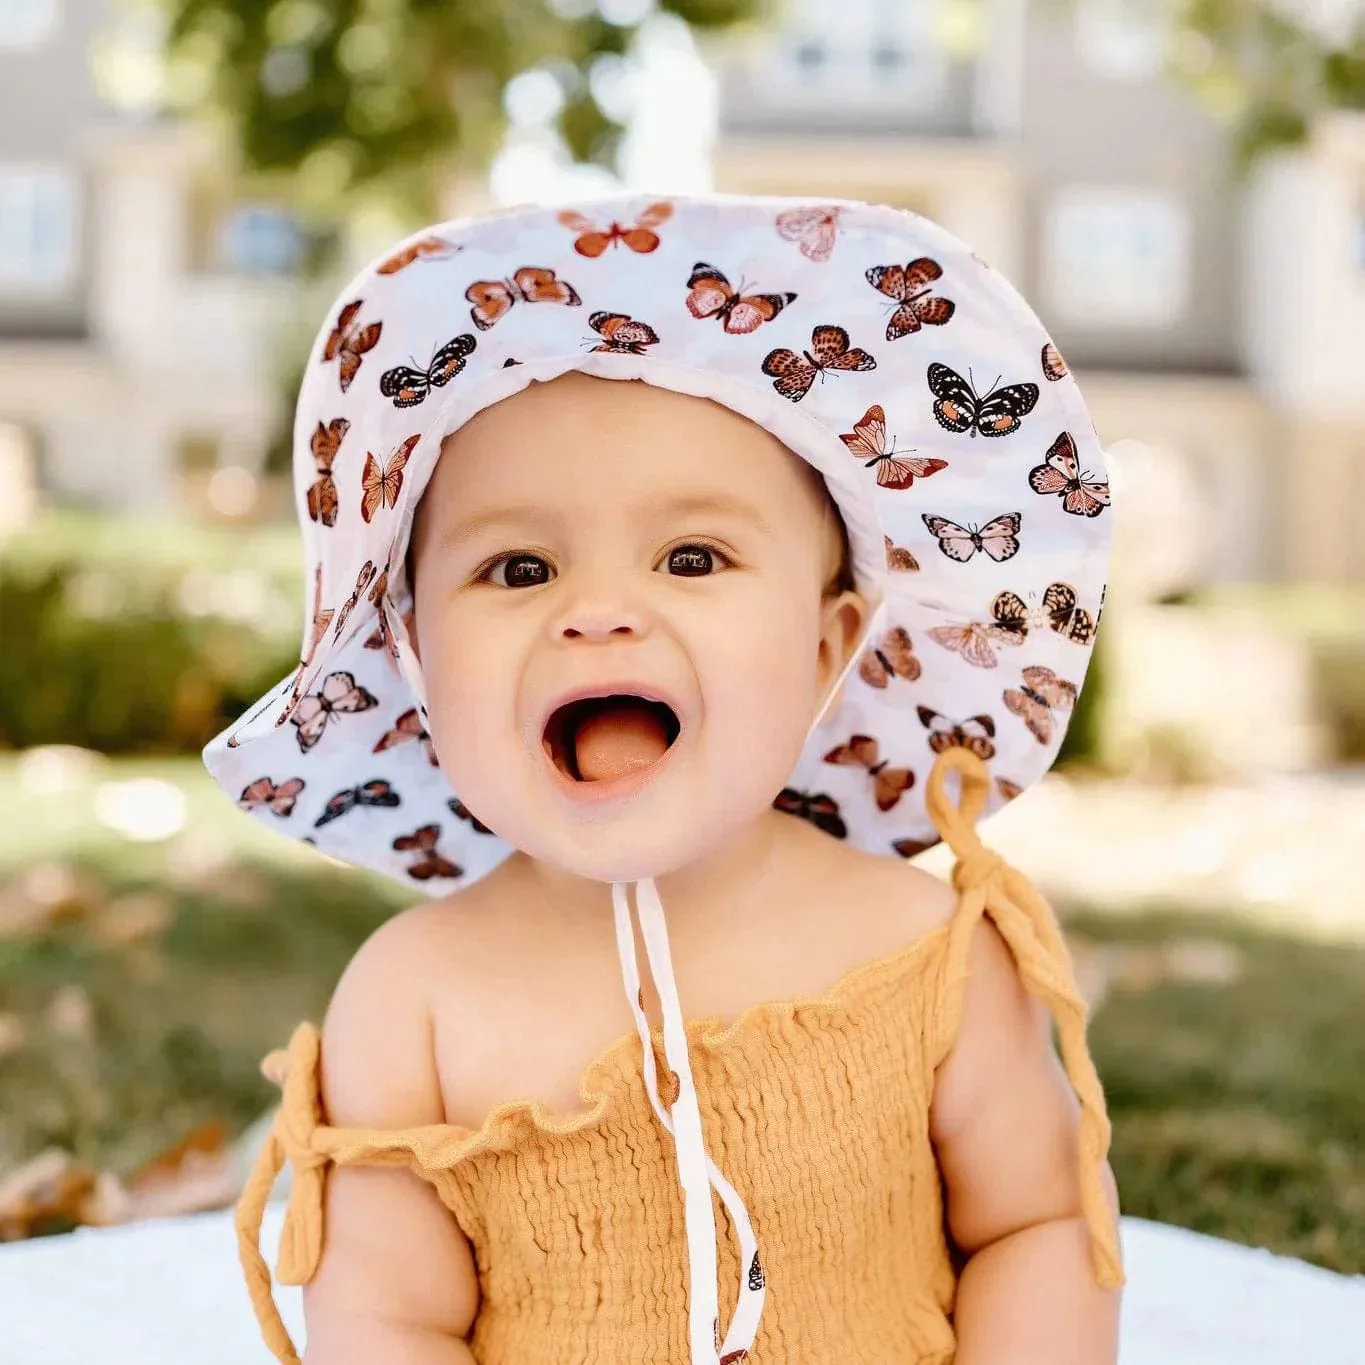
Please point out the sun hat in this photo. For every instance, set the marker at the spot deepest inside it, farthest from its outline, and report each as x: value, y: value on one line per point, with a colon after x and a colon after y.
x: 900, y: 365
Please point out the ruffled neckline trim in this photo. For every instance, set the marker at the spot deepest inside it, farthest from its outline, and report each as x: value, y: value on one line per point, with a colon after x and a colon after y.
x: 442, y: 1146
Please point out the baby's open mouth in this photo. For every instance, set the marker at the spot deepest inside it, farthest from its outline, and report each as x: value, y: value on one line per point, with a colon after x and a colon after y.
x: 597, y: 739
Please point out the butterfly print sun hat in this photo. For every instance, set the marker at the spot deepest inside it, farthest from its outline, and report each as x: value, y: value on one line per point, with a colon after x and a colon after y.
x: 874, y: 345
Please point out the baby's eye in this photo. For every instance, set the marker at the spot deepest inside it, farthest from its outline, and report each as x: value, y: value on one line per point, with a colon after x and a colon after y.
x: 693, y: 561
x: 518, y: 571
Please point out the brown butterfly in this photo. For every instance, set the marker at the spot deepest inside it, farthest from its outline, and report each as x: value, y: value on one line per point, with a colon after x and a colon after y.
x: 999, y: 537
x: 908, y: 286
x: 430, y: 864
x: 958, y: 407
x: 423, y: 249
x: 1081, y: 495
x: 263, y: 792
x: 1054, y: 366
x: 814, y: 230
x: 1041, y: 693
x: 1009, y: 790
x: 373, y: 793
x: 339, y: 695
x: 899, y: 559
x: 822, y: 811
x: 458, y: 807
x: 531, y: 284
x: 622, y: 335
x: 1061, y: 614
x: 912, y: 848
x: 407, y: 727
x: 322, y: 495
x: 380, y: 487
x: 363, y: 580
x: 973, y: 734
x: 868, y: 442
x: 1008, y: 626
x: 711, y: 295
x: 794, y: 374
x: 408, y: 386
x: 892, y: 657
x: 349, y: 343
x: 861, y: 751
x: 640, y: 237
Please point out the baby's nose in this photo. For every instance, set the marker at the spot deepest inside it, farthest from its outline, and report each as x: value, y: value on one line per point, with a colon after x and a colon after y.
x: 600, y: 618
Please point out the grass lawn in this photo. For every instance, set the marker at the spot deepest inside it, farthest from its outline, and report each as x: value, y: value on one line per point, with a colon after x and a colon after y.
x: 141, y: 1007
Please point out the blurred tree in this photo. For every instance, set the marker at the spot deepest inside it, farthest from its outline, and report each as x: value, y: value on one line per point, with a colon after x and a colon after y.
x: 349, y: 97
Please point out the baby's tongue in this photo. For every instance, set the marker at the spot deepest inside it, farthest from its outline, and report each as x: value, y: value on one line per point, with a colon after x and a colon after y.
x: 618, y: 737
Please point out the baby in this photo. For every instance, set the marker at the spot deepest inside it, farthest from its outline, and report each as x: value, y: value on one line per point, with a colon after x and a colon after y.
x: 572, y: 637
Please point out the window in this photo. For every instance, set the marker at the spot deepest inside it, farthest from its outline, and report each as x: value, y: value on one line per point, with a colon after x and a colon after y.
x: 856, y: 41
x: 259, y: 239
x: 27, y: 23
x: 38, y: 228
x: 1122, y: 39
x: 1117, y: 257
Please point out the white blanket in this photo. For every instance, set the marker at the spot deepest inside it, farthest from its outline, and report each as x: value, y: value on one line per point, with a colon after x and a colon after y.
x: 171, y: 1293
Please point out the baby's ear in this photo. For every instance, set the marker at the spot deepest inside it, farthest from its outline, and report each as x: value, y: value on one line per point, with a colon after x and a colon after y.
x: 843, y: 618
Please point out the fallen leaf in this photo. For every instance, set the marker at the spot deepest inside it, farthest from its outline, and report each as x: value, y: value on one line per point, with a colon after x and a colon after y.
x: 193, y: 1176
x: 50, y: 1187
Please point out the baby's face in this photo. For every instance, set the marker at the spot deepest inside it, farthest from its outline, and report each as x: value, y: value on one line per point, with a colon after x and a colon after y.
x: 593, y: 535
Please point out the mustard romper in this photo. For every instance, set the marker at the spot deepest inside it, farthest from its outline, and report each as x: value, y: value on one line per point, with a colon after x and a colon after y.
x: 818, y: 1111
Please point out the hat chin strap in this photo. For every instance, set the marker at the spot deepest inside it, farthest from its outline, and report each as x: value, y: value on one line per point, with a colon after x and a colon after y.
x: 697, y: 1173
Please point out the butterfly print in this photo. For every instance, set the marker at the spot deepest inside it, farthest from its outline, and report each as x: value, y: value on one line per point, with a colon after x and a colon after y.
x: 756, y: 1280
x: 640, y: 237
x: 263, y: 792
x: 407, y: 727
x: 1007, y: 789
x: 1061, y: 614
x: 423, y: 249
x: 380, y: 487
x: 1054, y: 366
x: 867, y: 441
x: 382, y: 638
x: 957, y: 406
x: 999, y: 537
x: 1008, y: 626
x: 408, y: 386
x: 339, y: 695
x: 861, y: 751
x: 912, y: 848
x: 822, y: 811
x: 348, y: 344
x: 899, y: 559
x: 1081, y: 495
x: 973, y: 734
x: 372, y: 793
x: 322, y: 495
x: 363, y: 580
x: 893, y: 657
x: 621, y: 334
x: 794, y: 374
x: 735, y: 1357
x: 908, y: 287
x: 814, y: 230
x: 510, y: 362
x: 430, y: 864
x: 381, y: 586
x: 458, y: 807
x: 711, y: 295
x: 531, y: 284
x: 1041, y: 693
x: 322, y: 618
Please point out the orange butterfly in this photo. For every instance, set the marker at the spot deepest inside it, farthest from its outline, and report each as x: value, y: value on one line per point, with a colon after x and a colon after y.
x: 350, y: 343
x: 322, y: 495
x: 592, y: 240
x: 867, y: 441
x: 794, y: 374
x: 380, y: 487
x: 363, y: 580
x: 1008, y: 626
x: 408, y: 726
x: 888, y: 783
x: 899, y: 559
x: 1054, y: 367
x: 813, y: 229
x: 339, y: 695
x: 430, y: 864
x: 1081, y: 495
x: 263, y: 792
x: 530, y: 284
x: 1042, y: 693
x: 423, y: 249
x: 711, y: 295
x: 908, y: 287
x: 973, y: 734
x: 1009, y: 790
x: 381, y: 638
x: 622, y: 335
x: 893, y: 657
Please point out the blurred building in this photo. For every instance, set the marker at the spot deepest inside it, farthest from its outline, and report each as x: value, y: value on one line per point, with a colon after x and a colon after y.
x: 140, y: 301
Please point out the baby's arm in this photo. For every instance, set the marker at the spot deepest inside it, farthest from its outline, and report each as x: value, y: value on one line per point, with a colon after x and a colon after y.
x: 1005, y: 1124
x: 396, y: 1283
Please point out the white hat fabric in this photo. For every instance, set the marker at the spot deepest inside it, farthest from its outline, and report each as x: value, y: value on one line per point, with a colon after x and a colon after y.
x: 907, y: 371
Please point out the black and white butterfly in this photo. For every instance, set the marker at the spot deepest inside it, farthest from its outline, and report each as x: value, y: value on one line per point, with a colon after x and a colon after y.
x: 408, y: 387
x: 373, y: 793
x: 999, y: 537
x: 958, y: 407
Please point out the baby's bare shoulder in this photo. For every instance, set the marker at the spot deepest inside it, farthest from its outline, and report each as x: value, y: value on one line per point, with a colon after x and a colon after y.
x: 888, y: 892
